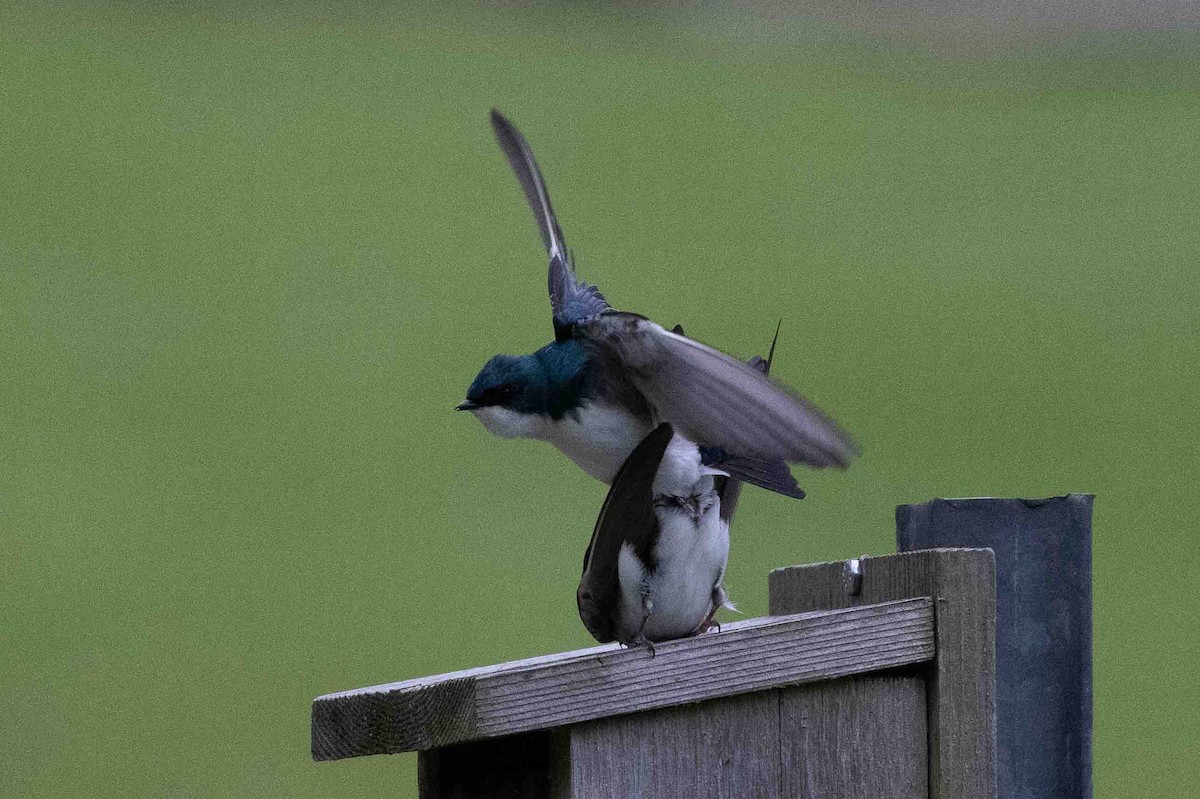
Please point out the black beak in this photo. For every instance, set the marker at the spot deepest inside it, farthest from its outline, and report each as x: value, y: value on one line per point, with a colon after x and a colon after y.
x: 465, y: 405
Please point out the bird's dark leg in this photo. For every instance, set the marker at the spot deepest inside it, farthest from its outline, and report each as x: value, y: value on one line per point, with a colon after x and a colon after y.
x: 719, y: 598
x: 639, y: 639
x: 709, y: 623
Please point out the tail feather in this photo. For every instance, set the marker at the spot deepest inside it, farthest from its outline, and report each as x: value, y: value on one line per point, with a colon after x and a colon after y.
x: 773, y: 475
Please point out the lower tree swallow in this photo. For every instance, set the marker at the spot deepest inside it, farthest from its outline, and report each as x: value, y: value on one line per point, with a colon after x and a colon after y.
x: 610, y: 378
x: 655, y: 566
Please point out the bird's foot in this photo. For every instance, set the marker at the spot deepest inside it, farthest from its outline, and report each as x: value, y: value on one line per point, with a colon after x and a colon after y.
x: 709, y: 623
x: 720, y: 599
x: 641, y: 640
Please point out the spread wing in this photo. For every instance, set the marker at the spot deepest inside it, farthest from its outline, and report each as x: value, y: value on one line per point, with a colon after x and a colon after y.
x: 714, y: 398
x: 731, y: 489
x: 627, y: 517
x: 570, y: 298
x: 773, y: 475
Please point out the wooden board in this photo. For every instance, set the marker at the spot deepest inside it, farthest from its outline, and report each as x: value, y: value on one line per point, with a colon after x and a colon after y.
x: 857, y: 737
x: 722, y: 748
x: 600, y: 682
x: 961, y: 687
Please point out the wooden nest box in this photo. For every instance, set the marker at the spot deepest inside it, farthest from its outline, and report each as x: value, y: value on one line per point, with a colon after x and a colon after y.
x: 918, y: 674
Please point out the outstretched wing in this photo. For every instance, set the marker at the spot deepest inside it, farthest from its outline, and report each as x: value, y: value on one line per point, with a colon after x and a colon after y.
x: 570, y: 298
x: 773, y: 475
x: 516, y: 149
x: 730, y: 490
x: 714, y: 398
x: 627, y: 517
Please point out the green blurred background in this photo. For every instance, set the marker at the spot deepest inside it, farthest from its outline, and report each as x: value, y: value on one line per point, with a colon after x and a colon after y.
x: 249, y: 260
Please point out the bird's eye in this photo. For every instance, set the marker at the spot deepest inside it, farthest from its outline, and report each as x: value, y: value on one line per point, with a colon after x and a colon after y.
x: 498, y: 395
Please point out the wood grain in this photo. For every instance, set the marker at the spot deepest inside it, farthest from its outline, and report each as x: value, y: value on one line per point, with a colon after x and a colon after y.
x: 722, y: 748
x: 857, y: 738
x: 739, y: 747
x: 961, y: 687
x: 863, y: 736
x: 600, y: 682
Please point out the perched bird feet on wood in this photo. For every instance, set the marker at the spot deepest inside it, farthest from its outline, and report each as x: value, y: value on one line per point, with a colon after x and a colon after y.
x: 641, y: 640
x: 720, y: 599
x: 709, y: 623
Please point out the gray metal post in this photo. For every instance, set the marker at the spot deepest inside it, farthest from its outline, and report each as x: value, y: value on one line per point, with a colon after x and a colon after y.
x: 1043, y: 630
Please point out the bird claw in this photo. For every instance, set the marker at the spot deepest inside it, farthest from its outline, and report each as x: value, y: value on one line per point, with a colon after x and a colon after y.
x: 711, y: 622
x: 641, y: 640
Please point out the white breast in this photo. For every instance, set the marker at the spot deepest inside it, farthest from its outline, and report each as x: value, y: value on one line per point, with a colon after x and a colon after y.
x: 681, y: 474
x: 691, y: 565
x: 598, y: 440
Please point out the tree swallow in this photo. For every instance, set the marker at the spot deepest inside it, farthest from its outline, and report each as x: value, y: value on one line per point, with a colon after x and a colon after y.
x: 610, y: 378
x: 655, y: 566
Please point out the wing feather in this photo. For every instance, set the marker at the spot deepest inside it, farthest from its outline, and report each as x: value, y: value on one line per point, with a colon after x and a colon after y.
x: 712, y: 397
x: 626, y: 517
x: 570, y: 298
x: 520, y: 157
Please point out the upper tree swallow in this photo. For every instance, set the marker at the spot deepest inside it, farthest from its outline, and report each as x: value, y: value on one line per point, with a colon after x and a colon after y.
x: 609, y: 378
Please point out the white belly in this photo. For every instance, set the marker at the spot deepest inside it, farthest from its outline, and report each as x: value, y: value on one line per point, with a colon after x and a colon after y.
x: 602, y: 438
x: 598, y: 441
x: 691, y: 565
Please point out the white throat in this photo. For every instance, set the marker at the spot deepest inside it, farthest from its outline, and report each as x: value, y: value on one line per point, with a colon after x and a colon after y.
x: 598, y: 437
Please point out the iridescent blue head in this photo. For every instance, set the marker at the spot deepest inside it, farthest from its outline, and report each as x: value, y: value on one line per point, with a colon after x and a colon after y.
x: 513, y: 382
x: 550, y: 383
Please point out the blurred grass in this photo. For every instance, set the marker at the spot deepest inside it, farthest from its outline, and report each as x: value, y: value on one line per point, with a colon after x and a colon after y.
x: 250, y: 259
